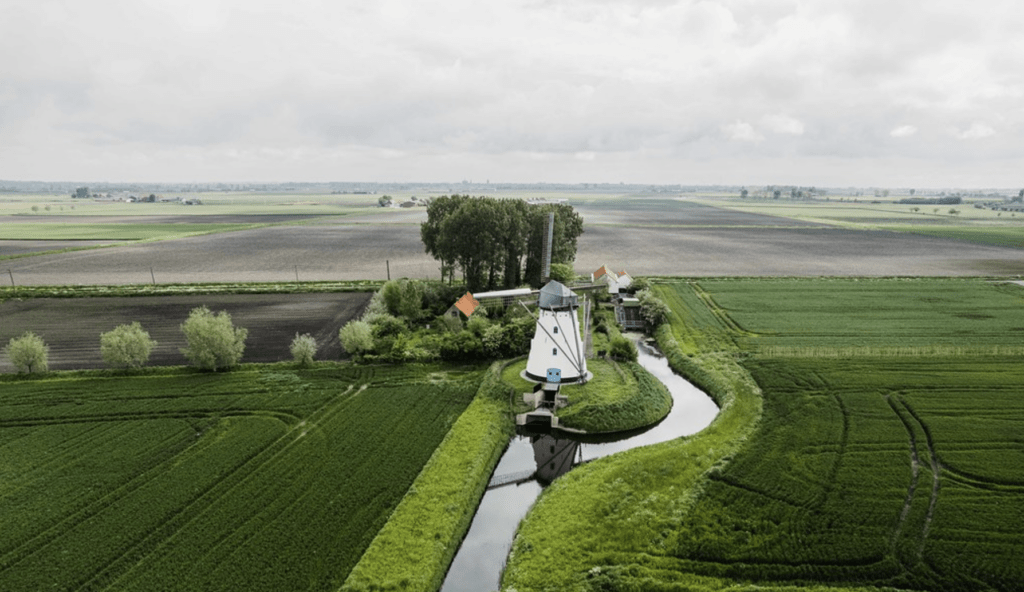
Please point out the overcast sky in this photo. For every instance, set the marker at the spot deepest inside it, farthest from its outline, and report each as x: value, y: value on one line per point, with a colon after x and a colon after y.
x: 831, y: 93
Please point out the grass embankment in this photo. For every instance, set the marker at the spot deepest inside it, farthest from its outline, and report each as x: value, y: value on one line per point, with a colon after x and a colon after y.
x: 620, y: 397
x: 602, y: 525
x: 419, y: 541
x: 264, y: 478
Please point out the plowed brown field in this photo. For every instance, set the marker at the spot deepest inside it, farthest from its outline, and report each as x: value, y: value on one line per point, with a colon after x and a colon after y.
x: 645, y: 237
x: 72, y: 327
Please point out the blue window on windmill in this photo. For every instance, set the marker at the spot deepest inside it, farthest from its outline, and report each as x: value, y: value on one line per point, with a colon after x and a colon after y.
x: 554, y: 375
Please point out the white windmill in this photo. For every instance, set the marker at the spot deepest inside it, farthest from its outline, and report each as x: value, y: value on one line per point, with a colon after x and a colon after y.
x: 556, y: 351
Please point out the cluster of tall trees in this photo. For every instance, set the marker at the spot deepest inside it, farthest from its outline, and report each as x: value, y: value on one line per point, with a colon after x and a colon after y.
x: 497, y: 243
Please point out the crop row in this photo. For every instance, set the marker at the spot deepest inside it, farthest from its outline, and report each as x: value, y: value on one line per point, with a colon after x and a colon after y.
x: 871, y: 468
x: 151, y: 497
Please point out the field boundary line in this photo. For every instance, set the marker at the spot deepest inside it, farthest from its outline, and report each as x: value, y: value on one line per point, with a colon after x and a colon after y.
x: 719, y: 312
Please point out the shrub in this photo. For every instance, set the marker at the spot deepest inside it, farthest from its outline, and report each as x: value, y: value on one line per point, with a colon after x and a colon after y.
x: 478, y: 323
x: 562, y: 272
x: 652, y: 309
x: 621, y: 348
x: 303, y: 349
x: 213, y: 342
x: 356, y: 337
x: 459, y: 347
x: 126, y: 346
x: 28, y: 353
x: 491, y: 339
x: 388, y: 326
x: 403, y: 298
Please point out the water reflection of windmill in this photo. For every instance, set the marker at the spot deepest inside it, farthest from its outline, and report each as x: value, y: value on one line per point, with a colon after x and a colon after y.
x: 553, y: 456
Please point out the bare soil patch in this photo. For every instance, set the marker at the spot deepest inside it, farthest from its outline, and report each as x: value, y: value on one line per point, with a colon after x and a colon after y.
x: 820, y: 251
x: 669, y: 212
x: 72, y: 327
x: 311, y: 252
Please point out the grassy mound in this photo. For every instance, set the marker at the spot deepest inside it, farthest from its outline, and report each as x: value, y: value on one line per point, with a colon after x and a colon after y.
x: 620, y: 397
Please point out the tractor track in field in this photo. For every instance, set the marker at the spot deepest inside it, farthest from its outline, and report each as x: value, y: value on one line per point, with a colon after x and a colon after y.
x: 911, y: 424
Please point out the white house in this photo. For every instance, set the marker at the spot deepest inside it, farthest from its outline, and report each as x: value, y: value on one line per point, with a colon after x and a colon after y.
x: 616, y: 281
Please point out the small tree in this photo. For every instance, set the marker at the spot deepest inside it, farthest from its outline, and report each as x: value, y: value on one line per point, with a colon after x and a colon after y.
x: 652, y: 309
x: 563, y: 272
x: 303, y: 349
x: 213, y: 342
x: 28, y: 353
x: 621, y: 348
x: 126, y: 346
x: 356, y: 337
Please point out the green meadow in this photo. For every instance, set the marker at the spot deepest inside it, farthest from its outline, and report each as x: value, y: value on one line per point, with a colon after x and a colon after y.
x: 870, y: 438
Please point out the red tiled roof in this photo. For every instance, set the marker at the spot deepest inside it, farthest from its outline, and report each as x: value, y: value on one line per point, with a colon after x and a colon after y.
x: 467, y: 304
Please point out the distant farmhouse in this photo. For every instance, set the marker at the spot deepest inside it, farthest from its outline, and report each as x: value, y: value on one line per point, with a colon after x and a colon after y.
x: 616, y: 282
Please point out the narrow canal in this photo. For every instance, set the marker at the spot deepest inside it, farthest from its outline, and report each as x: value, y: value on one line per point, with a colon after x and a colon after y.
x: 532, y: 461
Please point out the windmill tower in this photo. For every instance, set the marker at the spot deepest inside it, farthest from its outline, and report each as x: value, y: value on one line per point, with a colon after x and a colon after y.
x: 556, y: 350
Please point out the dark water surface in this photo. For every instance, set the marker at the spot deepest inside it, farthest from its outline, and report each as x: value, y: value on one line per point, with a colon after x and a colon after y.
x: 534, y: 460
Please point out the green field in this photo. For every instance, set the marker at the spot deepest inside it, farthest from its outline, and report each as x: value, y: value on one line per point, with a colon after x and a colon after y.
x: 887, y: 452
x: 1000, y: 236
x: 266, y: 478
x: 961, y: 222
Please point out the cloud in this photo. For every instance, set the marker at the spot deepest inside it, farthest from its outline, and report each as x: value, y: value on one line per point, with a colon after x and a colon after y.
x: 783, y: 124
x: 641, y: 83
x: 977, y: 131
x: 903, y: 131
x: 741, y: 131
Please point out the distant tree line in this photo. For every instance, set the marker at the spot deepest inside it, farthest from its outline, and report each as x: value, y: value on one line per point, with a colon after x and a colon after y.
x: 942, y: 201
x: 496, y: 243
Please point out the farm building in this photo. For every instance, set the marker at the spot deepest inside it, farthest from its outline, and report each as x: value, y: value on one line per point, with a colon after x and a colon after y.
x: 466, y: 306
x: 627, y: 313
x: 615, y: 281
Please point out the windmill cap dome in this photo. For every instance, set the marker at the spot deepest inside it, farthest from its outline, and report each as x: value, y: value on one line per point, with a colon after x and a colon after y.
x: 555, y: 295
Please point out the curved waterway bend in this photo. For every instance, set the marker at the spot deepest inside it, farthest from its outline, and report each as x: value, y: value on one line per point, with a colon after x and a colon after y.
x: 532, y: 461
